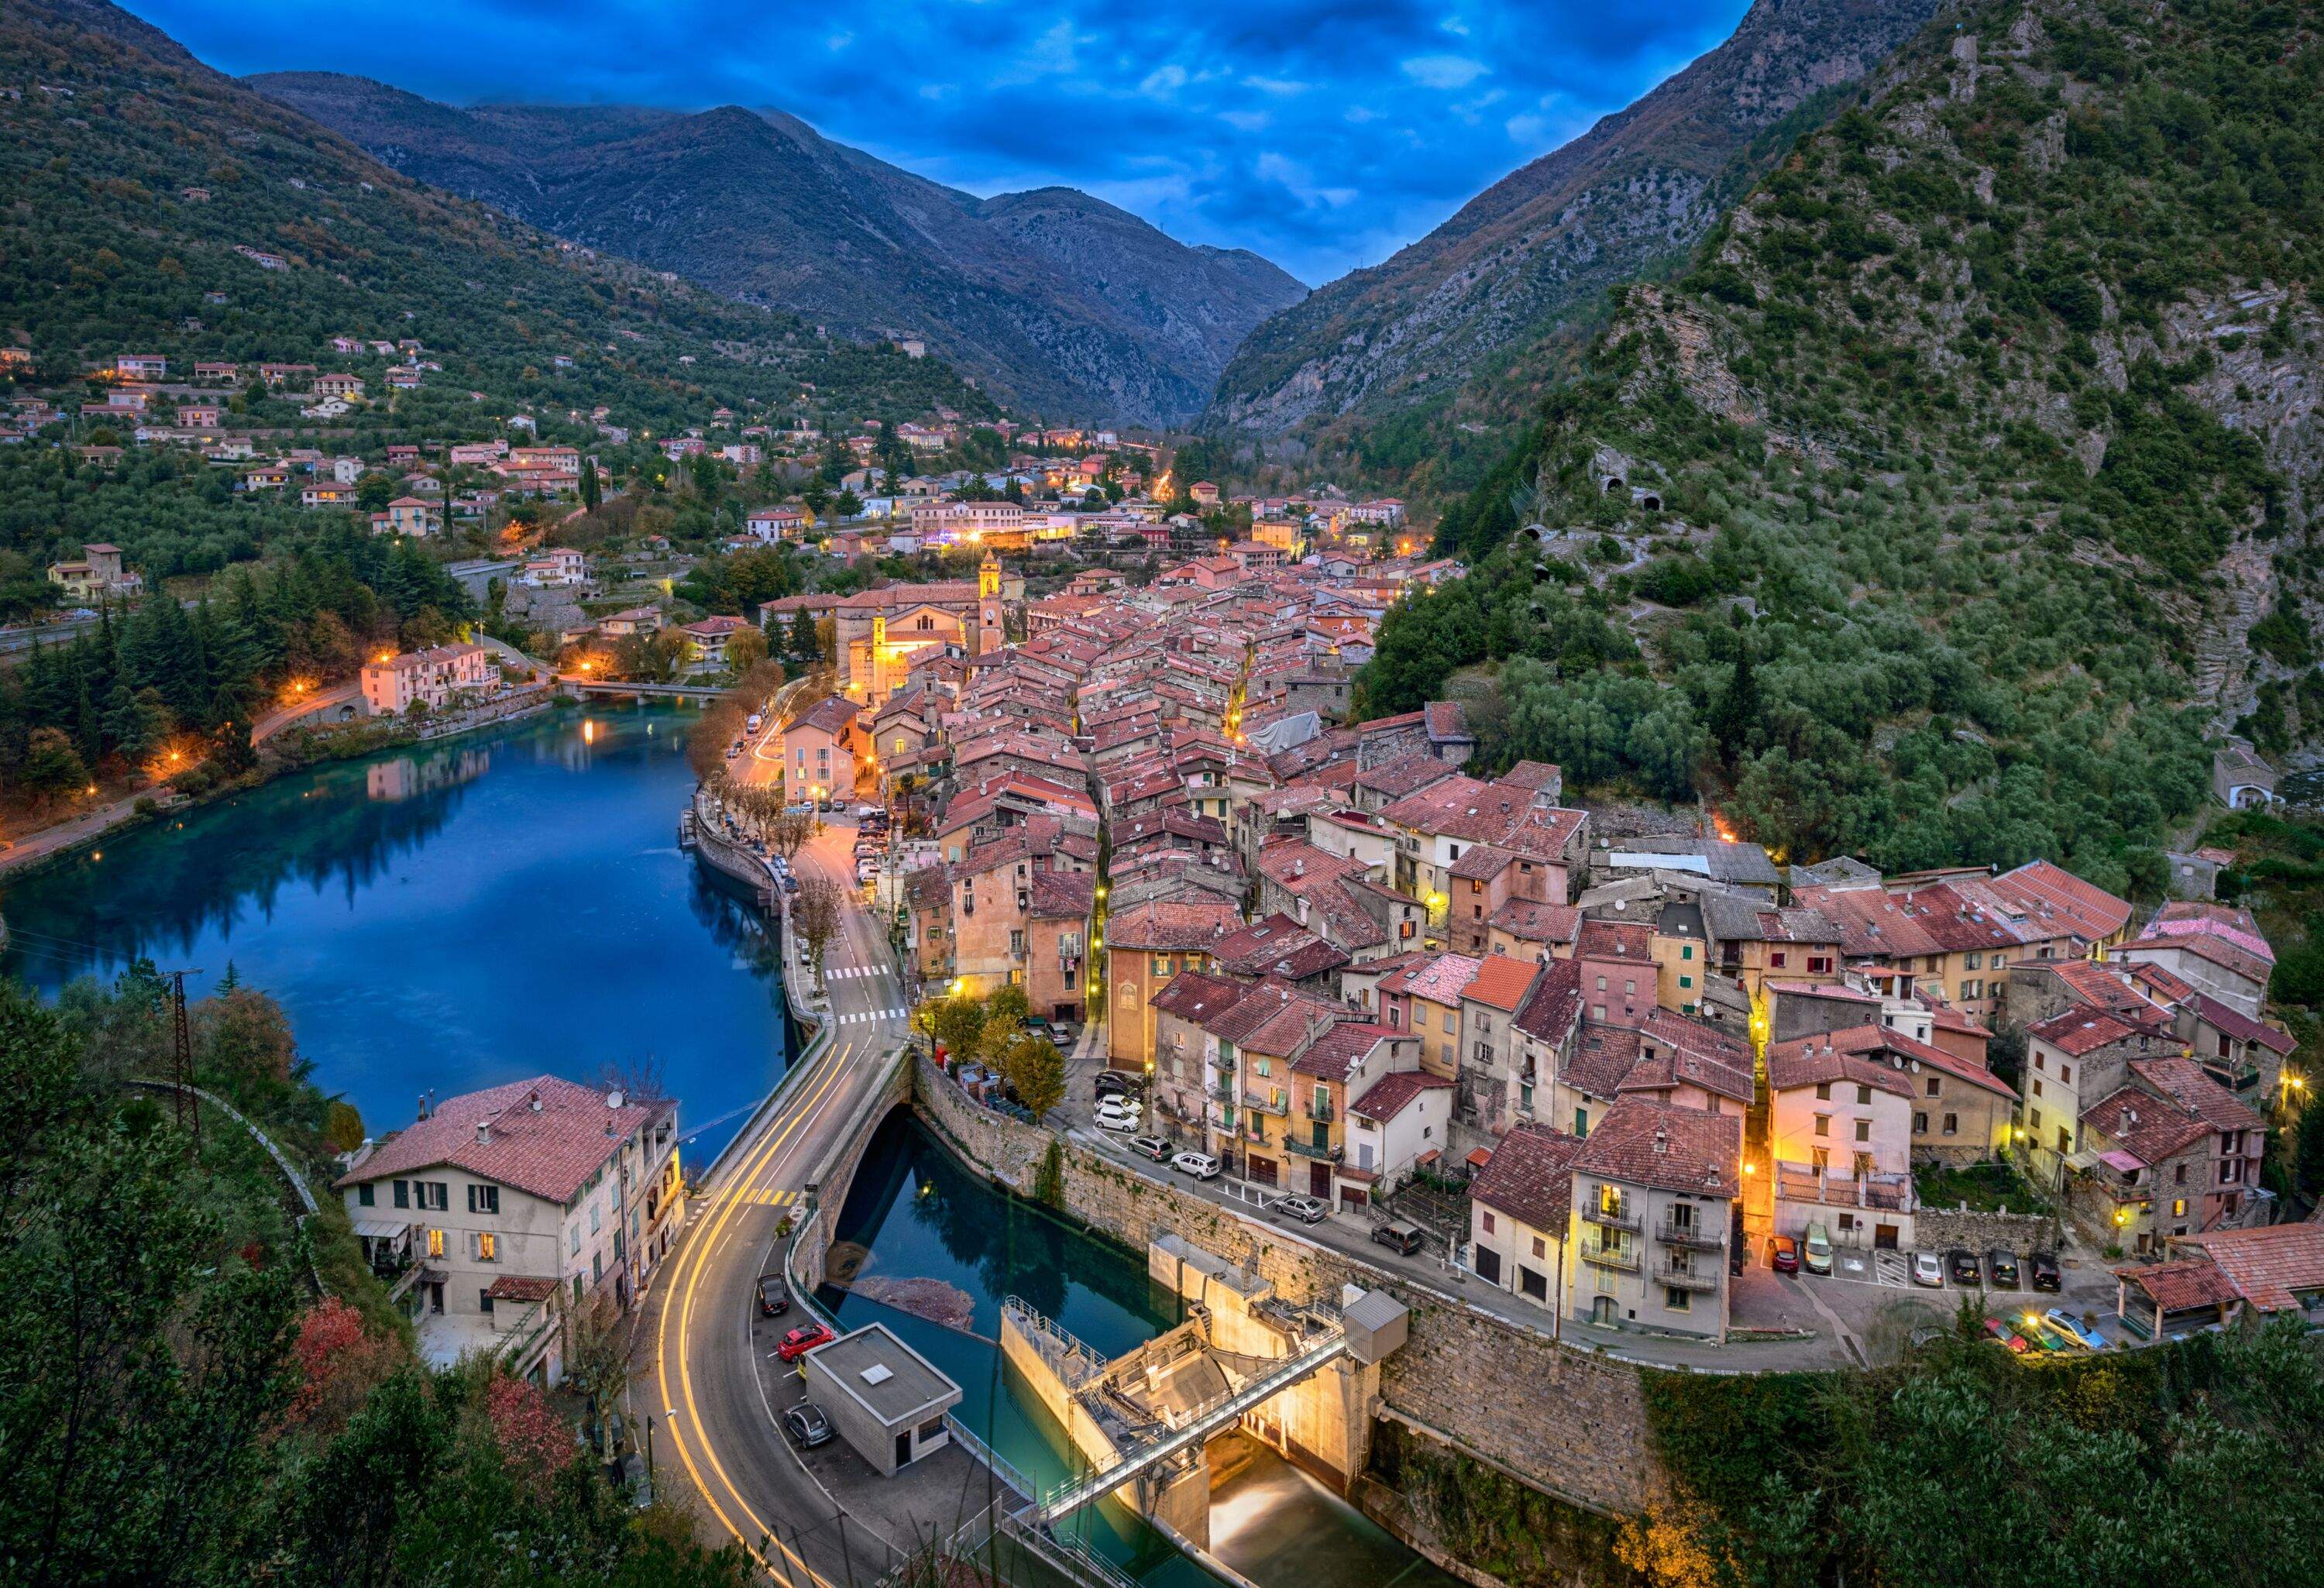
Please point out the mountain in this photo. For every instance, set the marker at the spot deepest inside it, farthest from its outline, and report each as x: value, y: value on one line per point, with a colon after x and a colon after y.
x: 1540, y: 246
x: 1064, y: 304
x: 1963, y: 488
x: 137, y: 177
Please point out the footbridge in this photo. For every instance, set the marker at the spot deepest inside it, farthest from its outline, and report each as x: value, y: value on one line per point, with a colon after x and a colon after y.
x: 1300, y: 1376
x: 585, y: 686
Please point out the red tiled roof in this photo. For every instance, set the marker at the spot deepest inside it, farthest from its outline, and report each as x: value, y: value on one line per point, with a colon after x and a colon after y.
x: 1337, y: 1051
x: 2183, y: 1286
x: 2154, y: 1129
x: 2186, y: 1082
x: 517, y: 1287
x: 1669, y: 1147
x: 549, y: 1153
x: 1436, y: 977
x: 1501, y: 982
x: 1165, y: 924
x: 1530, y: 1177
x: 1603, y: 940
x: 2080, y: 1030
x: 2267, y: 1265
x: 1197, y: 996
x: 1531, y: 920
x: 2054, y: 895
x: 1823, y: 1058
x: 1389, y: 1095
x: 2190, y: 918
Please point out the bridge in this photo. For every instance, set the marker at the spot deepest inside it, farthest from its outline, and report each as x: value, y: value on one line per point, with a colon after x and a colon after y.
x: 1148, y: 1431
x: 1291, y: 1373
x: 580, y: 684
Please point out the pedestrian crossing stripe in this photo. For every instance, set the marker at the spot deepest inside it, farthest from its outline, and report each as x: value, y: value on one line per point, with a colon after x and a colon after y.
x: 868, y: 1016
x: 767, y: 1198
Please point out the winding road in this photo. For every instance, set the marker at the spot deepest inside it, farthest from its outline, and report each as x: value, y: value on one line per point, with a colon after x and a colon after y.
x: 701, y: 1328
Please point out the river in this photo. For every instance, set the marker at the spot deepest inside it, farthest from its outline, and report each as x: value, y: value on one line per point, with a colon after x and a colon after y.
x: 454, y: 916
x: 915, y: 1212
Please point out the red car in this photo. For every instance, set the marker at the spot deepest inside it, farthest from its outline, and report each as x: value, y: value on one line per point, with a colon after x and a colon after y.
x: 1784, y: 1254
x: 804, y: 1339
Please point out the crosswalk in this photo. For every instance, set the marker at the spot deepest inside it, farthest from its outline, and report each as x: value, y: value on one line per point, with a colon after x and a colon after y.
x: 765, y: 1198
x: 869, y: 1016
x: 848, y: 973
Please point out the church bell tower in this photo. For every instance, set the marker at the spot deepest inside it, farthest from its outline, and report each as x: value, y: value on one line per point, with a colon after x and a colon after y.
x: 990, y: 633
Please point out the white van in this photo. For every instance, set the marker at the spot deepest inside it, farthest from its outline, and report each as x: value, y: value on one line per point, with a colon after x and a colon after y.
x: 752, y: 725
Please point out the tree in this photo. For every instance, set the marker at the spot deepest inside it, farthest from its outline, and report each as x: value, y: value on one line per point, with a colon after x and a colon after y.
x: 816, y: 915
x: 589, y: 486
x: 806, y: 644
x: 2308, y: 1151
x: 1736, y: 715
x: 788, y: 832
x: 745, y: 648
x: 957, y: 1022
x: 53, y: 769
x: 1036, y: 1070
x: 373, y: 492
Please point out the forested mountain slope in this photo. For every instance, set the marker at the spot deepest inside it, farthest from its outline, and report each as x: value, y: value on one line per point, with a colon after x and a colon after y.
x: 1059, y: 300
x: 1416, y: 334
x: 1964, y: 484
x: 134, y: 174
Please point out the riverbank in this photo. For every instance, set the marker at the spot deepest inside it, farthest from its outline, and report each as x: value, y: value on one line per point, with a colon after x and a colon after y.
x: 42, y: 846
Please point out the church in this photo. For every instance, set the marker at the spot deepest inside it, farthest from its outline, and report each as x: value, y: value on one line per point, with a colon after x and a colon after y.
x: 881, y: 632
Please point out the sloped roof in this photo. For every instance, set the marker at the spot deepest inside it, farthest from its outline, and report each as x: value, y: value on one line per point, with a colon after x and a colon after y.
x: 1644, y: 1142
x: 1436, y: 977
x: 1501, y: 982
x: 2267, y: 1265
x: 1530, y: 1177
x: 2183, y: 1286
x: 2056, y: 897
x: 1390, y: 1094
x: 549, y: 1151
x: 1532, y: 921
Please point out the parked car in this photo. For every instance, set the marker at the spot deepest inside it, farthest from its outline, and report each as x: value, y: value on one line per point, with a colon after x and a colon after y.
x: 1816, y: 1252
x: 1962, y: 1266
x: 1784, y: 1254
x: 774, y: 1296
x: 806, y: 1425
x: 1307, y: 1210
x: 2038, y: 1333
x: 2043, y: 1267
x: 2002, y: 1266
x: 2084, y: 1336
x: 1156, y: 1148
x: 1927, y: 1269
x: 804, y: 1339
x: 1118, y: 1113
x: 1117, y: 1084
x: 1035, y: 1026
x: 1201, y: 1165
x: 1400, y: 1236
x: 2001, y: 1333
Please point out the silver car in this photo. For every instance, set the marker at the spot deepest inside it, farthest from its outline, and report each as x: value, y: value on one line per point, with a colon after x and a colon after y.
x: 1307, y: 1210
x: 1201, y: 1165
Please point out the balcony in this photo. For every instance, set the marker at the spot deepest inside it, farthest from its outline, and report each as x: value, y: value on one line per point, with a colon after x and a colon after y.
x: 1613, y: 1218
x: 1222, y: 1092
x: 1666, y: 1272
x: 1611, y: 1257
x: 1257, y: 1103
x: 1309, y: 1150
x: 1320, y: 1110
x: 1691, y: 1237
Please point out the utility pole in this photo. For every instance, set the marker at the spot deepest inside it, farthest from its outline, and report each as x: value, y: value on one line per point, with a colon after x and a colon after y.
x: 182, y: 1076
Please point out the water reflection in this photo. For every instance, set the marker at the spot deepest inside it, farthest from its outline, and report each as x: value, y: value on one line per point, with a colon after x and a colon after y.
x: 449, y: 916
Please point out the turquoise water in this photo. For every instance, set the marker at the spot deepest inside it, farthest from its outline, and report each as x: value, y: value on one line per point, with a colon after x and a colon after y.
x: 441, y: 919
x: 920, y: 1214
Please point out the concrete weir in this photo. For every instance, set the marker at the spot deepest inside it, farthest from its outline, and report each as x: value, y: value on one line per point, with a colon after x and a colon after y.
x: 1305, y: 1379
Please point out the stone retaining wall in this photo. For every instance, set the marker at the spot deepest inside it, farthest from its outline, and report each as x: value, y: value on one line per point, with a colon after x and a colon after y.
x: 1567, y: 1421
x: 834, y: 1176
x: 1941, y: 1229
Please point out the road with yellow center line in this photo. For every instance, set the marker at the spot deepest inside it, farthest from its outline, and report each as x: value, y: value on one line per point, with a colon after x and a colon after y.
x: 699, y: 1335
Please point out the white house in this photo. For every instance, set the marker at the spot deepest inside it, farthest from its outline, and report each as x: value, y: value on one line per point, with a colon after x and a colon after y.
x: 393, y: 684
x: 505, y: 1216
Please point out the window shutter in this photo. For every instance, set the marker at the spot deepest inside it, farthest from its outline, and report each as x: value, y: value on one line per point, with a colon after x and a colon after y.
x: 471, y: 1198
x: 404, y: 1193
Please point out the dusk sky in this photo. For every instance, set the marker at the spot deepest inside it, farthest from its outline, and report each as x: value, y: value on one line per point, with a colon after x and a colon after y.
x: 1323, y: 133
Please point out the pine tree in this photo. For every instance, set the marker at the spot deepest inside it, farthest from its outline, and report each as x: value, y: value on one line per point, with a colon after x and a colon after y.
x: 804, y: 645
x: 1737, y: 711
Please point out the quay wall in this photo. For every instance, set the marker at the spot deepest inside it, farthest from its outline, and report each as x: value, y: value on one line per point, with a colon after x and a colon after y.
x: 1565, y: 1420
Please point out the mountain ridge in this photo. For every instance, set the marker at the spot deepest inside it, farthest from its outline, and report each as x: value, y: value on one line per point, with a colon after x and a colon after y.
x: 1074, y: 306
x: 1539, y: 246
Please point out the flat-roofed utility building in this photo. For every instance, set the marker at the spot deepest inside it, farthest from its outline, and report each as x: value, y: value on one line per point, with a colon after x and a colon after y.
x: 883, y: 1397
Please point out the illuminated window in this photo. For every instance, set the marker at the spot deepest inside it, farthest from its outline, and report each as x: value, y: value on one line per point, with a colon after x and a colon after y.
x: 435, y: 1242
x: 487, y: 1247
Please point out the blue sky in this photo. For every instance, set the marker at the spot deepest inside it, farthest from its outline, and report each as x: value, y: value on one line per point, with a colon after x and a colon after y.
x: 1323, y: 133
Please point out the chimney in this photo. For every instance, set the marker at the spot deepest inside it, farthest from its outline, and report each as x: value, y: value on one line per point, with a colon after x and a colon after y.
x: 1662, y: 1140
x: 1298, y: 866
x: 484, y: 1133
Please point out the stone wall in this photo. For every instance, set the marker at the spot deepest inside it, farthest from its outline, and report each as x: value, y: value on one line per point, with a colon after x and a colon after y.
x: 1567, y: 1421
x: 834, y: 1176
x: 1941, y: 1229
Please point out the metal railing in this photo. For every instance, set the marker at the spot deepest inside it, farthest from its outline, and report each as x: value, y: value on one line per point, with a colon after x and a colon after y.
x: 1622, y: 1216
x: 1611, y: 1257
x: 1694, y: 1237
x: 1684, y: 1279
x: 1077, y: 1363
x: 1257, y: 1104
x: 1326, y: 1154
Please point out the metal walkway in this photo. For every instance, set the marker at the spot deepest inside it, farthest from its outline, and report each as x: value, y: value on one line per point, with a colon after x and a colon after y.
x: 1076, y: 1492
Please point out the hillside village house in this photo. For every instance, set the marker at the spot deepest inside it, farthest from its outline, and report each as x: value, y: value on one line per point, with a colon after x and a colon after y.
x: 819, y: 750
x: 507, y: 1216
x: 1842, y: 1118
x: 97, y: 572
x: 1145, y: 945
x: 1654, y: 1189
x: 1520, y: 1208
x: 776, y: 523
x: 409, y: 515
x: 705, y: 641
x: 435, y: 679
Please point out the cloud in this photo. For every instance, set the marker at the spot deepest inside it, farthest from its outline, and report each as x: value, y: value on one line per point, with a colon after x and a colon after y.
x: 1323, y: 133
x: 1443, y: 71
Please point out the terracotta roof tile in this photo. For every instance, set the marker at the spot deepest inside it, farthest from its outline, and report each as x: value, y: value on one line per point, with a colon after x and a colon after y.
x: 550, y: 1152
x: 1643, y: 1142
x: 2268, y: 1265
x: 1530, y: 1177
